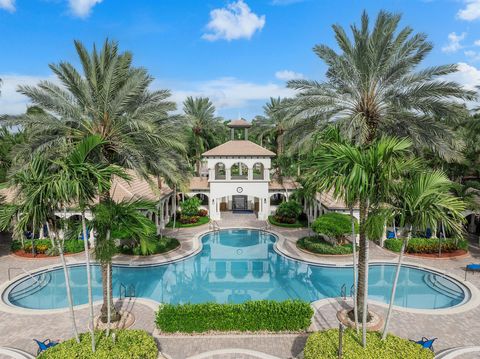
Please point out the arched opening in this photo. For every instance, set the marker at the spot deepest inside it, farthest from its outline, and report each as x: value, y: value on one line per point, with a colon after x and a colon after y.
x: 277, y: 198
x: 239, y: 171
x: 473, y: 224
x: 258, y: 171
x: 220, y: 173
x: 203, y: 198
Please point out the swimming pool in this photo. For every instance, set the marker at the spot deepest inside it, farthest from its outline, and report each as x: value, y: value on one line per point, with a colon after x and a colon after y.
x: 235, y: 266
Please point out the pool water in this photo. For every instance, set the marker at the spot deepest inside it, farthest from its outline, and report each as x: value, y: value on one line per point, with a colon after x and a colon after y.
x: 236, y: 266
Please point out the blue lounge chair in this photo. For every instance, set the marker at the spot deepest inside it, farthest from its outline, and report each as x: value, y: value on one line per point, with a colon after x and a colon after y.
x: 390, y: 235
x: 471, y: 268
x: 42, y: 346
x: 426, y: 343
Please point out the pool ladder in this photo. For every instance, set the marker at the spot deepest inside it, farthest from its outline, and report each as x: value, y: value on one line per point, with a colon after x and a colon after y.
x: 343, y: 291
x: 214, y: 226
x: 127, y: 291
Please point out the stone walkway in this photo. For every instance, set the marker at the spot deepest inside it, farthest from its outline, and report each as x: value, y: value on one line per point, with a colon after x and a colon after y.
x: 18, y: 330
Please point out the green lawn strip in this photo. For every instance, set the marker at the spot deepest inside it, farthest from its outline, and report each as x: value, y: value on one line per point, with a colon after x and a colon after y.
x: 261, y: 315
x: 297, y: 224
x: 128, y: 344
x: 201, y: 220
x: 319, y: 246
x: 324, y: 345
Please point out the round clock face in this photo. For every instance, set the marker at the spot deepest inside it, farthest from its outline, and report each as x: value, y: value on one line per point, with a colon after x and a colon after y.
x: 239, y: 189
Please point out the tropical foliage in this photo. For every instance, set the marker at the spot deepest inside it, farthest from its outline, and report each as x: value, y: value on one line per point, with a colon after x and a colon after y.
x: 336, y: 225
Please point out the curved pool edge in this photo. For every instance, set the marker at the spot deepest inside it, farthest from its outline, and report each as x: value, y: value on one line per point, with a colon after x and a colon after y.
x: 472, y: 302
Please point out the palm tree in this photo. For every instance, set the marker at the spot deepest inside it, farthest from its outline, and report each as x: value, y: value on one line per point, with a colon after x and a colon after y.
x: 364, y: 174
x: 421, y: 202
x: 207, y: 129
x: 376, y: 85
x: 110, y: 99
x: 112, y: 221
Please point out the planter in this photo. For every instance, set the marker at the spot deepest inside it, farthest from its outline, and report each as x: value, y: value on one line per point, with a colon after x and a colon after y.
x: 375, y: 323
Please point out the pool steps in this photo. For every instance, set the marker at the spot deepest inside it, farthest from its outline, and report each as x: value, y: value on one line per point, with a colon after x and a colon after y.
x: 42, y: 281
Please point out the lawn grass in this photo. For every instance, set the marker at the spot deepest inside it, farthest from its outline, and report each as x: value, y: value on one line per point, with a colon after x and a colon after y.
x: 201, y: 220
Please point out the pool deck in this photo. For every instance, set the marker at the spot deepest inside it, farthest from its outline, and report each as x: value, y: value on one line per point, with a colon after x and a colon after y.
x: 452, y: 330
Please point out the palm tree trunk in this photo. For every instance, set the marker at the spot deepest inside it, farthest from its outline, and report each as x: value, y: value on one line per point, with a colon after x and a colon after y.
x: 395, y: 281
x: 354, y: 242
x: 362, y: 293
x: 108, y: 311
x: 69, y: 293
x: 89, y: 281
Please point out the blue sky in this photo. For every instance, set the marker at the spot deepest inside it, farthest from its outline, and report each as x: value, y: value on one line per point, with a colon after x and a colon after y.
x: 236, y: 52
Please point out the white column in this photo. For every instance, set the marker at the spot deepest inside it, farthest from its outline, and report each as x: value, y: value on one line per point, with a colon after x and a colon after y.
x: 250, y: 173
x: 211, y: 174
x: 266, y: 174
x: 228, y: 174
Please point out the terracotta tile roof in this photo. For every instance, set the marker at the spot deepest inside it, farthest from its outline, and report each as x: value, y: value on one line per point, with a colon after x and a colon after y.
x: 199, y: 183
x: 287, y: 184
x: 328, y: 200
x: 239, y: 148
x: 240, y: 123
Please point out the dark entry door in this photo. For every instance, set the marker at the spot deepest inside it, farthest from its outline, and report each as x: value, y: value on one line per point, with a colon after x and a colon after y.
x: 239, y: 203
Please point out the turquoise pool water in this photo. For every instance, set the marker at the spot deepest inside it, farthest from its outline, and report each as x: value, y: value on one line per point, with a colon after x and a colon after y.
x: 236, y: 266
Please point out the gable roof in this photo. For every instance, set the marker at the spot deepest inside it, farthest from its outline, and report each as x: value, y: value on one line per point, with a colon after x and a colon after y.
x: 239, y: 148
x: 240, y: 123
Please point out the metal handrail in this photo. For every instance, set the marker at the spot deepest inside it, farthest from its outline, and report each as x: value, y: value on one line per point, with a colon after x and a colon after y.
x: 124, y: 289
x: 214, y: 225
x: 352, y: 290
x: 23, y: 270
x: 343, y: 291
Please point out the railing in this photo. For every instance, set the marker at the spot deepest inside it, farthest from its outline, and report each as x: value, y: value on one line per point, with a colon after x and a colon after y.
x: 23, y: 270
x: 267, y: 226
x: 214, y: 226
x: 343, y: 291
x: 128, y: 292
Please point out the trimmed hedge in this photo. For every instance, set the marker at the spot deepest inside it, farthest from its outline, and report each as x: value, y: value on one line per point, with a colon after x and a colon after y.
x: 261, y: 315
x: 162, y: 245
x: 296, y: 224
x: 129, y: 344
x: 288, y: 212
x: 426, y: 245
x: 201, y: 220
x: 337, y: 225
x: 324, y: 345
x: 44, y: 245
x: 318, y: 245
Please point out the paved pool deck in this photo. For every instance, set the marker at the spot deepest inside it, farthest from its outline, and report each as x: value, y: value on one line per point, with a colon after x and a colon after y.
x: 452, y: 330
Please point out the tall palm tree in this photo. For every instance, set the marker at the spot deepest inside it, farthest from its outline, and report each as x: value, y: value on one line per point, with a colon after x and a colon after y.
x: 207, y: 129
x: 80, y: 181
x: 113, y: 221
x: 364, y: 174
x: 376, y: 85
x: 421, y: 202
x: 111, y: 99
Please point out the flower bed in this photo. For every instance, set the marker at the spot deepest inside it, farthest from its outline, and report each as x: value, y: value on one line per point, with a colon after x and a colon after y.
x: 129, y: 344
x: 200, y: 221
x: 295, y: 224
x: 43, y: 247
x: 318, y: 245
x: 162, y: 245
x: 262, y: 315
x: 324, y: 345
x: 427, y: 245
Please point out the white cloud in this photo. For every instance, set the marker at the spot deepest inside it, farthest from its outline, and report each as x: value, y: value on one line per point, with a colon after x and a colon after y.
x: 8, y: 5
x: 82, y: 8
x: 476, y: 42
x: 286, y: 75
x: 469, y: 77
x: 12, y: 102
x: 233, y: 22
x: 226, y: 92
x: 471, y: 11
x: 472, y: 55
x: 454, y: 42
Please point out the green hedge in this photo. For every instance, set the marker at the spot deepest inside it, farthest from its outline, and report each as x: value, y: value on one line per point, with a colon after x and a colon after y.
x: 318, y: 245
x: 334, y: 224
x: 426, y: 245
x: 201, y: 220
x: 324, y: 345
x: 129, y: 344
x: 262, y: 315
x: 297, y: 223
x: 162, y: 245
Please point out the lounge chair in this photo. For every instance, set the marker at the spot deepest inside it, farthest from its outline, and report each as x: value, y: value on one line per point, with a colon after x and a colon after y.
x: 471, y: 268
x: 426, y: 343
x: 42, y: 346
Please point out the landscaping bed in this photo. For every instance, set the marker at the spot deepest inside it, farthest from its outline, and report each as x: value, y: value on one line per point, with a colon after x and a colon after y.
x: 317, y: 245
x: 324, y: 345
x: 428, y: 247
x: 43, y: 248
x: 129, y: 344
x: 200, y: 221
x: 296, y: 224
x: 162, y: 245
x: 251, y: 316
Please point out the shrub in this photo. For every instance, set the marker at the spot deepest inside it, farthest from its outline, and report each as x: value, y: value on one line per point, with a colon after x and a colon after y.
x: 290, y: 210
x: 336, y: 225
x: 320, y: 246
x: 190, y: 207
x: 290, y: 315
x: 129, y: 344
x: 295, y: 224
x: 427, y: 245
x: 74, y: 246
x: 324, y: 345
x: 44, y: 246
x: 202, y: 212
x: 162, y: 245
x: 189, y: 219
